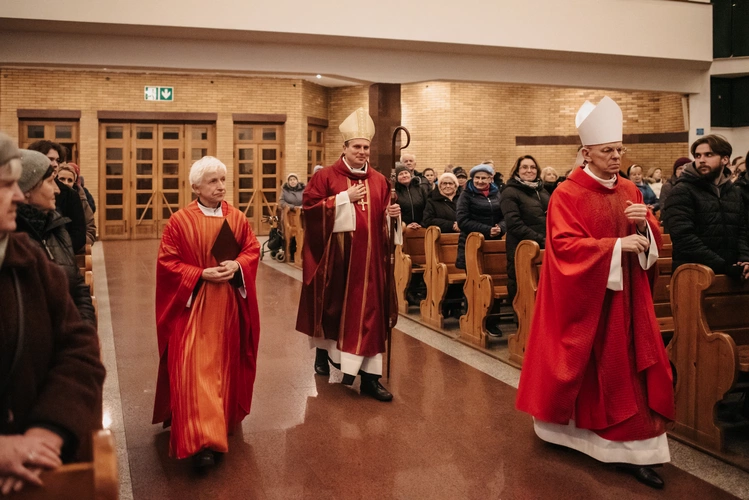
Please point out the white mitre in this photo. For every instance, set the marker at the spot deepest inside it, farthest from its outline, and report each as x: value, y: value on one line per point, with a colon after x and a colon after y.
x: 358, y: 125
x: 599, y: 124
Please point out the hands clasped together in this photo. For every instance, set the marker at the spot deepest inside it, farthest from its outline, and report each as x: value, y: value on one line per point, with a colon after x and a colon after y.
x: 23, y: 457
x: 222, y: 273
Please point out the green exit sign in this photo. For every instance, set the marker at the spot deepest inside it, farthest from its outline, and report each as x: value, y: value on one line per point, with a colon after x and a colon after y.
x: 159, y: 94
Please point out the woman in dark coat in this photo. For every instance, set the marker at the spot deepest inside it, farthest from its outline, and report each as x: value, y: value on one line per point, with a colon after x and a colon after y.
x: 478, y: 210
x: 524, y: 204
x: 440, y: 209
x: 39, y: 219
x: 412, y: 198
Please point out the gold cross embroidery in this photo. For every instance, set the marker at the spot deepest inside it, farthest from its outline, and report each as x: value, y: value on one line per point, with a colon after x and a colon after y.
x: 362, y: 202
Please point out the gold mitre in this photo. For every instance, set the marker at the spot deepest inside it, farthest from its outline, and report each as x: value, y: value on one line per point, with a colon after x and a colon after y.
x: 358, y: 125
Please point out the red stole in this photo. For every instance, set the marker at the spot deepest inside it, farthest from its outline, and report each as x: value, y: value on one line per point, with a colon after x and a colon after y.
x: 595, y: 355
x: 343, y: 293
x: 183, y: 254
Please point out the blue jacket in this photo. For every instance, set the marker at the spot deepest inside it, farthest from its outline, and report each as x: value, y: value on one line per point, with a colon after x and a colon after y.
x: 477, y: 213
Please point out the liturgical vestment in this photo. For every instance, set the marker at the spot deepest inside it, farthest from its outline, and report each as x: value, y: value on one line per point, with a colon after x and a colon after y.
x: 596, y: 376
x: 343, y: 301
x: 208, y: 332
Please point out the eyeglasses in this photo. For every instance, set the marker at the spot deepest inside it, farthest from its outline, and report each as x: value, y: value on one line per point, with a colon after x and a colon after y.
x: 447, y: 183
x: 610, y: 151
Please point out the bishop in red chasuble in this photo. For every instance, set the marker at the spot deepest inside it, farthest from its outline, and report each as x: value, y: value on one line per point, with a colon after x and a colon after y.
x: 207, y: 320
x: 596, y: 377
x: 343, y: 302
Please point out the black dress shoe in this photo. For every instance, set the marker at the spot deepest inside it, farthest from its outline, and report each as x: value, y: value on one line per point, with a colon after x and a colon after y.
x: 645, y: 475
x: 373, y: 387
x: 321, y: 362
x: 202, y: 459
x: 348, y: 379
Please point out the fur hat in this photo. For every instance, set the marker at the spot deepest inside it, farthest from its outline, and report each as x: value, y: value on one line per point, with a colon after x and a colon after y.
x: 34, y: 168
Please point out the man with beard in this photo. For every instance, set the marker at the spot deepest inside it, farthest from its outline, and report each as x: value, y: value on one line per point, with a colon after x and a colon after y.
x: 705, y: 213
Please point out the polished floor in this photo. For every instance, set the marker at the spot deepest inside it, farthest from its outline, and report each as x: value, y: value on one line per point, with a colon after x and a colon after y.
x: 451, y: 432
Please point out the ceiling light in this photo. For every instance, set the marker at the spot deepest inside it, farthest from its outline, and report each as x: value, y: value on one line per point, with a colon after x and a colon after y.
x: 318, y: 76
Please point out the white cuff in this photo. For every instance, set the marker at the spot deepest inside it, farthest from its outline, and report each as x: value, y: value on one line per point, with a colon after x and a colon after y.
x: 345, y: 216
x: 648, y: 260
x: 615, y: 269
x: 398, y: 238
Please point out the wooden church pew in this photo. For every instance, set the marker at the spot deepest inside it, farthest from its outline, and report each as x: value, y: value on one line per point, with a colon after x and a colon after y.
x: 486, y: 284
x: 409, y: 260
x: 439, y: 273
x: 709, y: 349
x: 528, y: 260
x: 293, y: 227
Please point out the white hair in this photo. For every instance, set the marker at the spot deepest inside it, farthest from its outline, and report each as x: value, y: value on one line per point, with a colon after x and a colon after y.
x: 202, y: 167
x: 408, y: 154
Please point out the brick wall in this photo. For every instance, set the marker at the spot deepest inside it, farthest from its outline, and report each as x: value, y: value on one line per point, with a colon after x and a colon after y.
x: 467, y: 123
x: 92, y: 91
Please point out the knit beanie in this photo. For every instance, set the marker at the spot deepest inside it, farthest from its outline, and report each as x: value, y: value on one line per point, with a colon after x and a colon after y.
x: 447, y: 175
x: 481, y: 168
x: 34, y: 166
x: 8, y: 149
x: 401, y: 168
x: 681, y: 161
x: 290, y: 176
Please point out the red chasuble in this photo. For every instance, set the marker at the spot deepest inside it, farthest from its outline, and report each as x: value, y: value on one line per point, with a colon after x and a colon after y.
x: 595, y: 355
x: 208, y: 350
x: 343, y: 293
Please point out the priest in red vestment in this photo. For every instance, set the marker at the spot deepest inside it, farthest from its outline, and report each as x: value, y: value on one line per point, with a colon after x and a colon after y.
x: 206, y: 318
x: 342, y: 306
x: 596, y: 377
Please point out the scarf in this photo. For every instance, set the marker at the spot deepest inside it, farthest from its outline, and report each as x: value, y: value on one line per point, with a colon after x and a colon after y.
x: 530, y: 184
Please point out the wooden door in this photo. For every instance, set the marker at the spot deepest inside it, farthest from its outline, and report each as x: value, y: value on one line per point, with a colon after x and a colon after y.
x: 114, y: 181
x: 258, y: 154
x: 315, y: 148
x: 64, y: 133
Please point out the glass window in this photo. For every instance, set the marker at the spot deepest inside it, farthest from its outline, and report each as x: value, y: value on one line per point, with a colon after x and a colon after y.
x: 271, y: 197
x: 166, y: 213
x: 144, y: 184
x: 309, y: 155
x: 198, y: 153
x: 269, y: 183
x: 114, y: 184
x: 144, y: 154
x: 318, y: 157
x: 114, y: 214
x: 172, y: 198
x: 145, y: 133
x: 114, y: 132
x: 63, y: 131
x: 244, y: 133
x: 144, y: 169
x: 245, y: 169
x: 139, y: 213
x: 170, y: 183
x: 269, y: 169
x: 246, y: 154
x: 170, y: 134
x: 319, y: 137
x: 245, y: 197
x: 269, y: 154
x: 114, y: 154
x: 35, y: 131
x: 142, y: 198
x: 170, y: 168
x: 269, y: 134
x: 114, y: 168
x: 114, y: 198
x: 170, y: 154
x: 309, y: 135
x: 245, y: 183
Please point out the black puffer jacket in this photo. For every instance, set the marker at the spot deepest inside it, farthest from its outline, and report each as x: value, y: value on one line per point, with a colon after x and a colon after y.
x: 440, y: 211
x: 743, y: 184
x: 665, y: 192
x: 477, y: 214
x: 48, y: 230
x: 707, y: 222
x: 412, y: 200
x: 524, y: 209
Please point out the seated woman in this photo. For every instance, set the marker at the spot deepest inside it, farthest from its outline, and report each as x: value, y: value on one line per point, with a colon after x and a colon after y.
x: 440, y: 208
x: 52, y: 376
x: 478, y: 211
x: 38, y: 218
x: 411, y: 197
x: 291, y: 196
x: 68, y: 175
x: 550, y: 179
x: 524, y: 204
x: 634, y: 172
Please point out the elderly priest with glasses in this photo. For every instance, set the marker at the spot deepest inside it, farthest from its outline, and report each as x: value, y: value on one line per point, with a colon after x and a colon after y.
x: 346, y: 260
x: 596, y: 377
